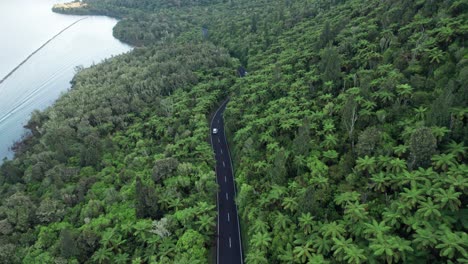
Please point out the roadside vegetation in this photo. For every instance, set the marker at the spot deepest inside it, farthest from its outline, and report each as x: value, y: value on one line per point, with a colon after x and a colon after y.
x: 348, y: 136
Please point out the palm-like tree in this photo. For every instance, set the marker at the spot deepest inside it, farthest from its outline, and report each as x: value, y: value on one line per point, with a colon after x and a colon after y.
x: 456, y: 177
x: 439, y: 132
x: 425, y: 175
x: 425, y: 237
x: 380, y: 181
x: 369, y: 105
x: 397, y: 165
x: 332, y: 230
x: 107, y: 236
x: 384, y: 96
x: 354, y: 255
x: 282, y: 221
x: 400, y: 150
x: 260, y: 226
x: 444, y: 161
x: 321, y: 245
x: 407, y: 178
x: 392, y: 218
x: 102, y: 255
x: 261, y: 241
x: 141, y: 228
x: 121, y: 258
x: 448, y: 198
x: 340, y: 245
x: 376, y: 229
x: 346, y: 198
x: 317, y: 259
x: 451, y: 243
x: 420, y: 113
x: 330, y: 155
x: 366, y: 113
x: 175, y: 203
x: 402, y: 207
x: 328, y: 126
x: 206, y: 223
x: 256, y: 256
x: 435, y: 55
x: 407, y: 132
x: 457, y: 149
x: 384, y: 162
x: 391, y: 248
x: 319, y: 181
x: 404, y: 91
x: 412, y: 196
x: 166, y: 249
x: 359, y: 99
x: 326, y: 97
x: 330, y: 141
x: 287, y: 254
x: 356, y: 211
x: 152, y: 244
x: 276, y: 193
x: 305, y: 222
x: 303, y: 252
x: 429, y: 210
x: 290, y: 204
x: 366, y: 163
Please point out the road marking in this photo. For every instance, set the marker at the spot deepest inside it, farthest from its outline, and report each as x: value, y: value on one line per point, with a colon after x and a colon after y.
x: 235, y: 194
x: 217, y: 193
x: 230, y: 245
x: 225, y: 178
x: 227, y: 196
x: 221, y: 151
x: 219, y: 141
x: 218, y: 121
x: 229, y: 218
x: 224, y: 164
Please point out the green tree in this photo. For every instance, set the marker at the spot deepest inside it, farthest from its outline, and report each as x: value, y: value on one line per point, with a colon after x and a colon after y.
x: 302, y: 253
x: 452, y: 243
x: 102, y: 255
x: 443, y: 161
x: 261, y: 241
x: 306, y: 222
x: 330, y: 64
x: 67, y: 244
x: 366, y: 164
x: 146, y: 201
x: 422, y: 145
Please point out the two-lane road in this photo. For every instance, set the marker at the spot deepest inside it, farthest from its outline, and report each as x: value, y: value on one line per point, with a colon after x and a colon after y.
x: 229, y: 248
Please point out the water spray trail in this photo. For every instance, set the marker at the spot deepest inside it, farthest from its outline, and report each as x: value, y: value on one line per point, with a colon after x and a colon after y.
x: 41, y: 47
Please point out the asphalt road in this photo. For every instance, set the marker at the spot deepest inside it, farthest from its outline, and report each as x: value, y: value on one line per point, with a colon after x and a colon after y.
x: 229, y: 248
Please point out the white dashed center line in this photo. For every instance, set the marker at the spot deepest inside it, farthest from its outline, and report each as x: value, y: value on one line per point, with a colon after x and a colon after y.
x: 224, y: 164
x: 229, y: 218
x: 230, y: 245
x: 225, y: 178
x: 221, y: 151
x: 227, y: 196
x: 219, y: 141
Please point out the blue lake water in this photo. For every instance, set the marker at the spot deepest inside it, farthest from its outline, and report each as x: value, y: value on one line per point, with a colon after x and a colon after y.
x: 25, y: 26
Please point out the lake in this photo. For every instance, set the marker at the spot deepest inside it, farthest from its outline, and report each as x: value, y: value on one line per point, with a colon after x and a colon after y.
x: 25, y: 26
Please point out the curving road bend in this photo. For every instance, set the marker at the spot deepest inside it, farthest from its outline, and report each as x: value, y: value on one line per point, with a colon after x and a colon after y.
x: 228, y: 246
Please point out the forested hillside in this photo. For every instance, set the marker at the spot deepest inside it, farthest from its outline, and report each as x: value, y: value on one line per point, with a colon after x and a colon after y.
x: 348, y: 137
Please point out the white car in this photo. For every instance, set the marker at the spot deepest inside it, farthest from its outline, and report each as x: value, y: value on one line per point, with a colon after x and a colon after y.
x: 215, y: 131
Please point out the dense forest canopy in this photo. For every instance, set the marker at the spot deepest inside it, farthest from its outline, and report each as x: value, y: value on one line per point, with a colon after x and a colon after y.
x: 348, y: 135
